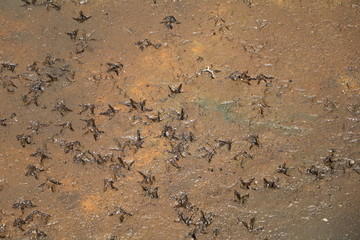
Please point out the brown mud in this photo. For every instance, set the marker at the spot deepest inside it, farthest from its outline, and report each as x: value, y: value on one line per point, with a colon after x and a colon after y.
x: 179, y: 119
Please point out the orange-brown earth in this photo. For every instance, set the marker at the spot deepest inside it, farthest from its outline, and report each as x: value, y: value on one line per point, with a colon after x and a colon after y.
x: 272, y: 153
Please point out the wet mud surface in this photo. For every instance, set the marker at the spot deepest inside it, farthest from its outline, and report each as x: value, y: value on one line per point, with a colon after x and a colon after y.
x: 179, y: 119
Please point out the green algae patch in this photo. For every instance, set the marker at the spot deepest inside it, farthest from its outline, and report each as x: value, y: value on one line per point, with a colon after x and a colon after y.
x: 226, y: 109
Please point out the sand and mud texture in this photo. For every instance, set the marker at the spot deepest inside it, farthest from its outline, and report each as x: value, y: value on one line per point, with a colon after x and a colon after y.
x: 179, y: 119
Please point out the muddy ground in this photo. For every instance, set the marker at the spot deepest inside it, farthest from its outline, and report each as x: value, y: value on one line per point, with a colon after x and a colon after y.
x: 176, y: 119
